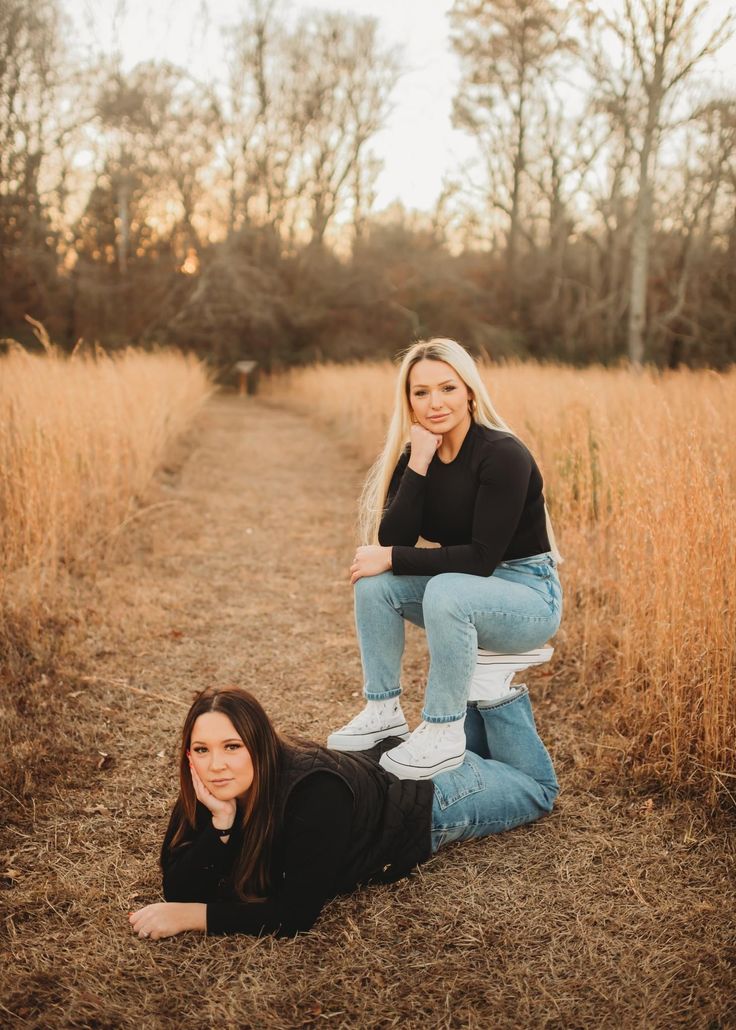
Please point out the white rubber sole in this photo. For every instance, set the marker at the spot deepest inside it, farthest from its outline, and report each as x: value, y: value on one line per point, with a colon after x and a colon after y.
x: 412, y: 772
x: 518, y: 661
x: 341, y: 741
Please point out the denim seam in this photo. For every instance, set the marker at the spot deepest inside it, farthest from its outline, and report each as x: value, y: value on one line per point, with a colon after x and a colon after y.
x: 505, y: 824
x: 508, y: 615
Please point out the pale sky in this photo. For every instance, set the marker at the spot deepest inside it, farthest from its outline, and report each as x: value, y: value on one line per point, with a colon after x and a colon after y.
x: 418, y: 147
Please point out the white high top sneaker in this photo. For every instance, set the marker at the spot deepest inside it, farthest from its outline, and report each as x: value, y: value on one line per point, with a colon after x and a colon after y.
x: 379, y: 719
x: 495, y: 670
x: 433, y: 747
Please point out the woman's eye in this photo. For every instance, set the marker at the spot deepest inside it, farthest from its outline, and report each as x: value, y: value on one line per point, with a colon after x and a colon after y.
x: 449, y: 389
x: 199, y: 750
x: 232, y: 747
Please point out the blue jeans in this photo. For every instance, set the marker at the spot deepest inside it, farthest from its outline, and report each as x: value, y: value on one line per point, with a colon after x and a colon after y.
x: 506, y: 778
x: 517, y: 608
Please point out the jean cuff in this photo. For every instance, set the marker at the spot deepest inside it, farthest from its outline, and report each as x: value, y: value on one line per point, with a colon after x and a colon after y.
x: 516, y: 693
x: 443, y: 718
x: 385, y: 696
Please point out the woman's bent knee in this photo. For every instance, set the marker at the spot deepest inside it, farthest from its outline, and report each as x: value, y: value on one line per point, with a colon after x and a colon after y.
x: 371, y: 588
x: 445, y: 594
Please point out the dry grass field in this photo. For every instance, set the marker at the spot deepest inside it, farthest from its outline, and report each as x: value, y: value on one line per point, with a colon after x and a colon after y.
x: 80, y: 440
x: 612, y: 912
x: 640, y: 478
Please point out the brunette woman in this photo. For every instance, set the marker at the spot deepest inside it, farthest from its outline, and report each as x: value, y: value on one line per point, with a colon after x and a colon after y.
x: 265, y: 831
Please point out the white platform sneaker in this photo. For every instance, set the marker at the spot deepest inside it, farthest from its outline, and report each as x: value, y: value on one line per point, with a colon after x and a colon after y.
x: 494, y: 671
x: 433, y: 747
x: 378, y: 720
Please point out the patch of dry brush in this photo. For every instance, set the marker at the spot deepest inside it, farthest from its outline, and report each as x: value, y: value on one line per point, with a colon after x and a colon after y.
x: 80, y: 439
x: 640, y: 474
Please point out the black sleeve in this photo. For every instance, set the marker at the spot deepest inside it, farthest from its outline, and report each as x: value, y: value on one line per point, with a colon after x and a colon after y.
x: 503, y: 486
x: 192, y: 871
x: 314, y: 841
x: 402, y: 516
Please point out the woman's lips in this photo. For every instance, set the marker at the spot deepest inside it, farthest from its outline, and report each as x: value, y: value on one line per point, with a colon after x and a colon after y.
x: 219, y: 783
x: 436, y: 418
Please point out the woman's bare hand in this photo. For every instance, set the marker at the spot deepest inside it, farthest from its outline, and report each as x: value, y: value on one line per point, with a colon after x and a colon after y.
x: 423, y: 448
x: 370, y: 560
x: 167, y: 918
x: 223, y: 812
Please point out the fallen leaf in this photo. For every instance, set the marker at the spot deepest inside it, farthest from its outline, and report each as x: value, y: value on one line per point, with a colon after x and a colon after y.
x: 12, y: 874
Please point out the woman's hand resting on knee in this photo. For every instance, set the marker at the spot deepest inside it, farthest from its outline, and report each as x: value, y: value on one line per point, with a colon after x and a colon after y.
x: 370, y: 560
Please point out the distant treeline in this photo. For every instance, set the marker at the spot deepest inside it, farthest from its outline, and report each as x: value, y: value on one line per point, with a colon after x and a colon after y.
x: 235, y: 217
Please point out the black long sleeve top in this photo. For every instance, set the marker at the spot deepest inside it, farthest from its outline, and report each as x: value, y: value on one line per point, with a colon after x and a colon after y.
x: 484, y: 507
x: 308, y: 854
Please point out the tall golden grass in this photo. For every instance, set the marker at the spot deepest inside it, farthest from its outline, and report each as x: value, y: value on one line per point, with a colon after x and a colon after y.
x: 80, y: 439
x: 640, y: 478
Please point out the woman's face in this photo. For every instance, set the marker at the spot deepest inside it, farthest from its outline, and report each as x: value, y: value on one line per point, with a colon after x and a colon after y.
x: 219, y: 756
x: 438, y: 396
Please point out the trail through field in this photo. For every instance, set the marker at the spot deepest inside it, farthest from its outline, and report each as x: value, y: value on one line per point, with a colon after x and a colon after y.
x: 617, y: 910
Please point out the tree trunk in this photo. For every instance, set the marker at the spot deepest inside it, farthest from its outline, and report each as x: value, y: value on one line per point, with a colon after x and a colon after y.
x: 642, y: 227
x: 123, y: 236
x: 512, y: 254
x: 639, y: 275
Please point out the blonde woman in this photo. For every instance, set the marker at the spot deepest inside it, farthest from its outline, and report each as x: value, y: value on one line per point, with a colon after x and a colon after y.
x: 452, y: 473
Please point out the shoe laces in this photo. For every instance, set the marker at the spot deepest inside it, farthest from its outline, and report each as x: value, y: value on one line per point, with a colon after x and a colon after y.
x: 369, y: 718
x: 428, y: 737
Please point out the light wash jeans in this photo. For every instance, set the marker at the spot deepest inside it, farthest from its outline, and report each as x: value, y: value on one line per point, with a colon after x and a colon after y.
x: 517, y: 608
x: 506, y: 778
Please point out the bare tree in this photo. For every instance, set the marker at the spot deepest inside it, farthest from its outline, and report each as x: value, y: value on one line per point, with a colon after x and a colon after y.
x: 341, y: 83
x: 38, y: 121
x: 662, y: 41
x: 703, y: 199
x: 300, y: 105
x: 507, y: 49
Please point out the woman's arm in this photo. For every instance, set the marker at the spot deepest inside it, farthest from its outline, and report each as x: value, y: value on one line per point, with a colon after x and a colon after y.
x: 504, y: 483
x: 193, y: 870
x: 402, y: 515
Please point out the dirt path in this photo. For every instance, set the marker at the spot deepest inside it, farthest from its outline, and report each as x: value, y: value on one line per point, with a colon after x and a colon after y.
x: 610, y: 913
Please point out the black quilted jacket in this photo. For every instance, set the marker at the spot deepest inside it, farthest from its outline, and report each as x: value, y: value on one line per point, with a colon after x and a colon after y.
x: 392, y: 817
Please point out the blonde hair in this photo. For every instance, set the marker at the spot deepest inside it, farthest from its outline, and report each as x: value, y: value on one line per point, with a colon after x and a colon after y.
x: 375, y: 490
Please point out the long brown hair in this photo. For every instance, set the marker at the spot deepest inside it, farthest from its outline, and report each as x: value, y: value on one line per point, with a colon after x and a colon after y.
x: 256, y: 812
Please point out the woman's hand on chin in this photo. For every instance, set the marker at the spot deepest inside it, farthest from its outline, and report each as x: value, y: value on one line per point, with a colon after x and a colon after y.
x: 223, y: 812
x: 167, y: 918
x: 424, y: 446
x: 370, y: 560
